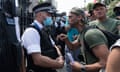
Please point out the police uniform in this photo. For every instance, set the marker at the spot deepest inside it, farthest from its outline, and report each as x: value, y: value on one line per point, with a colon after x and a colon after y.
x: 31, y: 40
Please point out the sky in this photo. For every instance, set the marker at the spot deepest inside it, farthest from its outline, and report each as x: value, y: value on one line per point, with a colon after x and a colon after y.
x: 66, y: 5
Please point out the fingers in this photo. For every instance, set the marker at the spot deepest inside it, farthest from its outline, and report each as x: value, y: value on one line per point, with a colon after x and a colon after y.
x: 60, y: 61
x: 62, y: 37
x: 76, y: 66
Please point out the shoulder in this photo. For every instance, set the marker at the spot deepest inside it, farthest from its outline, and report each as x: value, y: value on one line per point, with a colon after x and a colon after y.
x: 118, y: 22
x: 113, y: 20
x: 30, y: 32
x: 95, y: 37
x: 93, y: 32
x: 93, y: 22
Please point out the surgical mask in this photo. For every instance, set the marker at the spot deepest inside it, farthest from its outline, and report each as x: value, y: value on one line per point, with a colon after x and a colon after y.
x: 57, y: 19
x: 65, y: 17
x: 48, y: 21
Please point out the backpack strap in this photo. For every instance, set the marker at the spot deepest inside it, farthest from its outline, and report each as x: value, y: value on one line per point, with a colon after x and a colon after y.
x: 87, y: 48
x: 110, y: 37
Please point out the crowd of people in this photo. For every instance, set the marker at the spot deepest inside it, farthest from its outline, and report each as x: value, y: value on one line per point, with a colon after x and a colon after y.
x: 51, y: 36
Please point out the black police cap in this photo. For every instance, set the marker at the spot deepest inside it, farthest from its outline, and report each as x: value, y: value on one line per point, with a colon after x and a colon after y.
x: 46, y: 6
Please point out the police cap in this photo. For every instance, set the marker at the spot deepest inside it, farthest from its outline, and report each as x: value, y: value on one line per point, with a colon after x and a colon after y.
x: 46, y: 6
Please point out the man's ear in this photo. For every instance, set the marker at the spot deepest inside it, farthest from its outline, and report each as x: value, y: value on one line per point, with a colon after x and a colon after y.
x: 79, y: 17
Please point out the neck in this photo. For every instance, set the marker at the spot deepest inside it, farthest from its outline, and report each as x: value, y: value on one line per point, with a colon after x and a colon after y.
x: 39, y: 20
x: 79, y: 27
x: 102, y: 19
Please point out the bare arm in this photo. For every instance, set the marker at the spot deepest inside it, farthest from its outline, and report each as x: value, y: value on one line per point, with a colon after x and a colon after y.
x: 71, y: 45
x: 100, y: 52
x: 45, y: 61
x: 113, y: 63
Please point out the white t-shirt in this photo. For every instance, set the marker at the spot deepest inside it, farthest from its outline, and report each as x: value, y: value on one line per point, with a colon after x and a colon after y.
x: 31, y: 39
x: 116, y: 44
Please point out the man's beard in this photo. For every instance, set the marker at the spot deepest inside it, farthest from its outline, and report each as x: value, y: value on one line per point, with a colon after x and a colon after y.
x: 74, y: 24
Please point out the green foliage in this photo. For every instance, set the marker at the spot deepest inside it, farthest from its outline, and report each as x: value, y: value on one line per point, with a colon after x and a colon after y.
x: 110, y: 12
x: 90, y: 6
x: 99, y: 0
x: 40, y: 1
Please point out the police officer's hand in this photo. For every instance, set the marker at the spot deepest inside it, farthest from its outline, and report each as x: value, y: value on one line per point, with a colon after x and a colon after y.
x: 60, y: 61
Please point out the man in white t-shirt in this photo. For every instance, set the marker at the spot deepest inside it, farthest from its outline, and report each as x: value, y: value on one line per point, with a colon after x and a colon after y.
x: 113, y: 63
x: 38, y: 60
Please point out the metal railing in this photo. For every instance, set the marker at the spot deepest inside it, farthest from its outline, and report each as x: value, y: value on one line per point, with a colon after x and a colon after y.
x: 25, y: 17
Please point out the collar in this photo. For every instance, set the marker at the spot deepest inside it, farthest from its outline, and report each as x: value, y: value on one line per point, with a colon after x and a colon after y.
x: 38, y: 24
x: 104, y: 20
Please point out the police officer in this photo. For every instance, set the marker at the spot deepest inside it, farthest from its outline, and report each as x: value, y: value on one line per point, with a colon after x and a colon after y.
x: 41, y: 54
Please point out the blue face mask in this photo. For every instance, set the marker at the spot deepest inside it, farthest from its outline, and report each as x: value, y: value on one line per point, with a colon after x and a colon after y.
x: 48, y: 21
x: 64, y: 17
x: 57, y: 19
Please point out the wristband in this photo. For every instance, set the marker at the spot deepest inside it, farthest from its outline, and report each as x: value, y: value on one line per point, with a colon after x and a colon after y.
x: 83, y: 68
